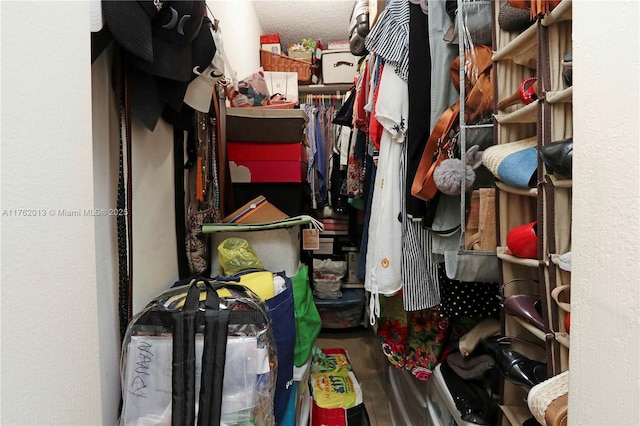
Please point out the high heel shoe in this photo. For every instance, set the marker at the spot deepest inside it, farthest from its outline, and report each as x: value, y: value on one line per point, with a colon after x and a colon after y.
x: 558, y: 157
x: 526, y: 306
x: 527, y: 93
x: 515, y: 367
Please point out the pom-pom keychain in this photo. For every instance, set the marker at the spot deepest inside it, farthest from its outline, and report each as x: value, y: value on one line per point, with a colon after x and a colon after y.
x: 448, y: 175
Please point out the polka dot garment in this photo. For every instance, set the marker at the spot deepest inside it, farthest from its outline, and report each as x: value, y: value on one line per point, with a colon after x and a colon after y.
x: 467, y: 299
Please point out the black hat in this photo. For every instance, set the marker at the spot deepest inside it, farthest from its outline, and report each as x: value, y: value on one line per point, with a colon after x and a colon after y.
x: 130, y: 24
x: 174, y: 29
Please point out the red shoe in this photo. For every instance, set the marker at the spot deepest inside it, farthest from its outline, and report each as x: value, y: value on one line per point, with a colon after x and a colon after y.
x: 522, y: 241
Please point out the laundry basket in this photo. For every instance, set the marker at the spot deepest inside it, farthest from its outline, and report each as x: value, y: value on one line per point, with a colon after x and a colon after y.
x: 275, y: 62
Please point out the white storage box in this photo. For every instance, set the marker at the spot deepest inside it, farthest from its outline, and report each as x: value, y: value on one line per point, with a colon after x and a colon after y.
x: 339, y: 66
x: 277, y: 249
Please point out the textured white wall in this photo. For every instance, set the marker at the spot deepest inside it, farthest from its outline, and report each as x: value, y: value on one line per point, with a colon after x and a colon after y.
x: 50, y: 341
x: 326, y: 20
x: 605, y: 317
x: 241, y: 31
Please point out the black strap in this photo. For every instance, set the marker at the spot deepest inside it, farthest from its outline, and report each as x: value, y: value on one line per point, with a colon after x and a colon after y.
x: 179, y: 200
x: 213, y: 361
x: 124, y: 289
x: 183, y: 376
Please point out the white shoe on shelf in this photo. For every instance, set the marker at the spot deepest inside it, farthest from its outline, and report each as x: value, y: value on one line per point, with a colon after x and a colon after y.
x: 564, y: 261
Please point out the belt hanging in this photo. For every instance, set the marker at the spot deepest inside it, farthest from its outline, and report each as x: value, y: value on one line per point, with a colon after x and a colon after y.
x: 124, y: 200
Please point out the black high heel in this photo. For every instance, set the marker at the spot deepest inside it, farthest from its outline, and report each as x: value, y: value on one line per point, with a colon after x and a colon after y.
x: 558, y: 157
x: 514, y: 366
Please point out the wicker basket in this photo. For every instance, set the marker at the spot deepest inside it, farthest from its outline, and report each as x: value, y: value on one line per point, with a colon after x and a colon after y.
x: 276, y: 62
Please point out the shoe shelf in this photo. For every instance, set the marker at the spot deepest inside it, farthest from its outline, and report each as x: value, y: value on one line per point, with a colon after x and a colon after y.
x: 563, y: 12
x: 515, y: 414
x: 537, y: 52
x: 539, y: 334
x: 503, y: 255
x: 559, y: 182
x: 524, y: 114
x: 530, y: 192
x: 521, y: 50
x: 559, y: 96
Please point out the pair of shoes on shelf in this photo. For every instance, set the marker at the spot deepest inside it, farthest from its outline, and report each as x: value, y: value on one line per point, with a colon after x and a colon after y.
x: 558, y: 157
x: 548, y: 401
x: 514, y: 366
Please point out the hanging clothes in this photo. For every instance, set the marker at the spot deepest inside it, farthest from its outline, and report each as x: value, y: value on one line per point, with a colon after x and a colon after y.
x: 384, y: 251
x: 389, y: 37
x: 419, y: 271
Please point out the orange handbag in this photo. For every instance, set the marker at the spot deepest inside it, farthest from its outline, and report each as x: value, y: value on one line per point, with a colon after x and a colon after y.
x: 478, y: 103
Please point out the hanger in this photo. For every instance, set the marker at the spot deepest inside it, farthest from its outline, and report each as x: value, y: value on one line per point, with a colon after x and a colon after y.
x: 216, y: 33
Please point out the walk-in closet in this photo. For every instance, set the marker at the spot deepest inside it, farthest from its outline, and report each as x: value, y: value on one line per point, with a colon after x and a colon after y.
x: 334, y: 212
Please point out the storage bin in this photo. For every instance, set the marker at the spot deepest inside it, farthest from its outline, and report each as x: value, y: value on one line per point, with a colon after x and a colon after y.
x: 275, y: 62
x: 266, y: 125
x: 408, y: 398
x: 440, y: 403
x: 277, y: 249
x: 346, y: 311
x: 339, y: 66
x: 267, y: 162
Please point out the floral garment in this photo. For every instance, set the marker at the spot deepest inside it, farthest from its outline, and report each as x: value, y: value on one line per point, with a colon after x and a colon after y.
x: 418, y: 340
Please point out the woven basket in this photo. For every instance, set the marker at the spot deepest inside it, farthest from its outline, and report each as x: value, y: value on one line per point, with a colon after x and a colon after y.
x: 275, y: 62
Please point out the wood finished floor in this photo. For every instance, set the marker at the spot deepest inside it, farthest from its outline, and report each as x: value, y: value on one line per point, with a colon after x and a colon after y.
x: 369, y: 365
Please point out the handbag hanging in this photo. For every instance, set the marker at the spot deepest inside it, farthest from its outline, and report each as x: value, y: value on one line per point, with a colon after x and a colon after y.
x: 477, y: 92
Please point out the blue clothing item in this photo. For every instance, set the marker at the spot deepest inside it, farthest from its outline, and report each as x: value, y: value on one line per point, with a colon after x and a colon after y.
x: 360, y: 148
x: 320, y: 160
x: 370, y: 179
x: 281, y: 311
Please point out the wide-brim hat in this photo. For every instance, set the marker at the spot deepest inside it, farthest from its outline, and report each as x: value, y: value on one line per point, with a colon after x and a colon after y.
x: 178, y: 32
x: 130, y: 23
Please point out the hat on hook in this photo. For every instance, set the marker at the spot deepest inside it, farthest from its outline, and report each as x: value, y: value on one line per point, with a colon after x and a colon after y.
x: 200, y: 90
x: 158, y: 36
x: 130, y: 24
x: 175, y: 28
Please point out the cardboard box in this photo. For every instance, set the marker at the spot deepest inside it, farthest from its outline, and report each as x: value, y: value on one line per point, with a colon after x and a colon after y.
x: 266, y: 125
x: 290, y: 197
x: 339, y: 67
